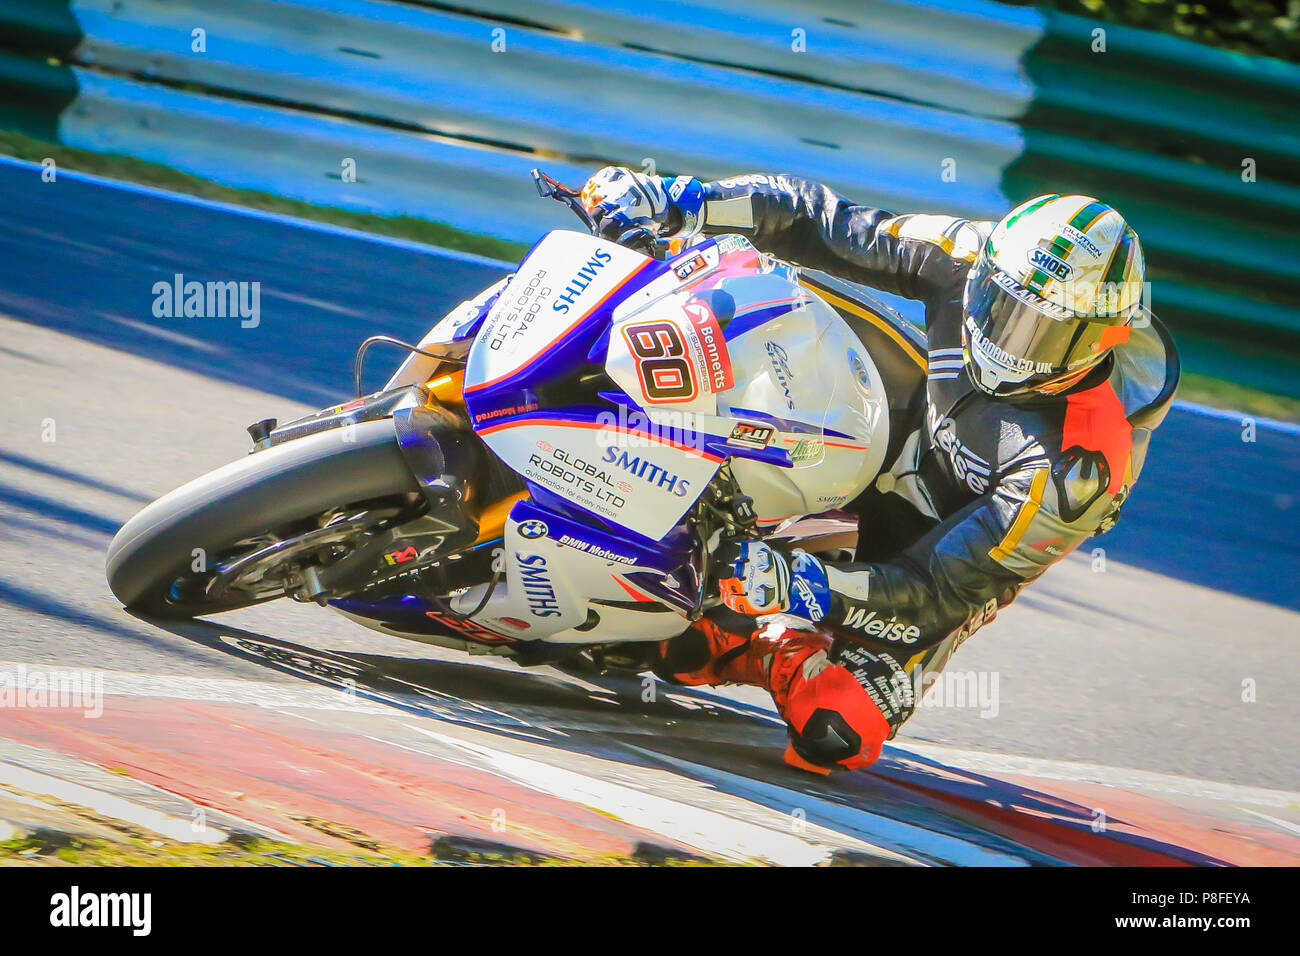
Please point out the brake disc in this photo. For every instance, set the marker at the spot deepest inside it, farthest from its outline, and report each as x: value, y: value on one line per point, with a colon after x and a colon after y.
x: 277, y: 568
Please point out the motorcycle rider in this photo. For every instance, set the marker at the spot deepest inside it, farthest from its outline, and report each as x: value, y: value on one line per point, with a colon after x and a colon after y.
x: 1044, y: 379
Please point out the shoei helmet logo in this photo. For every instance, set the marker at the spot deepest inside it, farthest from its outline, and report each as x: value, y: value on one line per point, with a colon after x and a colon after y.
x: 532, y: 529
x: 1042, y: 259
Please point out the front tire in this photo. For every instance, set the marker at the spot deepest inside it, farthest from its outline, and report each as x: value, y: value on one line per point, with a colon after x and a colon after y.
x: 281, y: 487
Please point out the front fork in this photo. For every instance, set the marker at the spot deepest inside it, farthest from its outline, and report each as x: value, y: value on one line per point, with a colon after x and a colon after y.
x: 444, y: 456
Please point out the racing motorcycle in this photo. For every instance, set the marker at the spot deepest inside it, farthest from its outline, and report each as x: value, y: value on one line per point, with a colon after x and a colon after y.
x: 554, y: 467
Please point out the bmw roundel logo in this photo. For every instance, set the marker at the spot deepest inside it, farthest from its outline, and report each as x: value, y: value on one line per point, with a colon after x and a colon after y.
x: 532, y: 528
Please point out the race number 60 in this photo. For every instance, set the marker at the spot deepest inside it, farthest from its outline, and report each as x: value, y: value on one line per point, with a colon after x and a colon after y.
x: 661, y: 362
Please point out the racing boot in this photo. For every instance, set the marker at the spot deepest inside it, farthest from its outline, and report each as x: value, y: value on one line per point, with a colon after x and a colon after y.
x: 709, y: 653
x: 839, y: 700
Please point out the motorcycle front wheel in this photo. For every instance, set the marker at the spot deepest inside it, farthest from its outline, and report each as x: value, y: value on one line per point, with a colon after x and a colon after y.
x: 246, y: 532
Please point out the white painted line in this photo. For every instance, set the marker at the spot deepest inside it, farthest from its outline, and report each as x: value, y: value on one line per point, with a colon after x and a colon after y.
x: 173, y: 828
x: 52, y: 763
x: 1290, y: 428
x: 1139, y: 780
x: 221, y: 690
x: 1286, y: 825
x: 709, y: 832
x: 871, y: 828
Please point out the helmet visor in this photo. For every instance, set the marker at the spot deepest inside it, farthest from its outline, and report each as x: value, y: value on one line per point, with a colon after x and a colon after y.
x: 1026, y: 338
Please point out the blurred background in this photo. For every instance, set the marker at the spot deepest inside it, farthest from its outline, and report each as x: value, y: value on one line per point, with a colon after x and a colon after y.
x: 422, y: 119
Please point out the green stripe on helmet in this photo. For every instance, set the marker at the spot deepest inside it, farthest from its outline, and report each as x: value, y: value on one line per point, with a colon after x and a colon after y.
x: 1089, y: 214
x: 1036, y: 204
x: 1119, y: 260
x: 1061, y: 247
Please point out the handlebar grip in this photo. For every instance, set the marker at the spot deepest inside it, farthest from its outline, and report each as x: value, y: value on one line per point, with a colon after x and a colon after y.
x: 640, y: 239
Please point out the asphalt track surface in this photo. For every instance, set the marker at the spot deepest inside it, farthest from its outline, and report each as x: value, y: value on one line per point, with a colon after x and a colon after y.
x: 1172, y: 653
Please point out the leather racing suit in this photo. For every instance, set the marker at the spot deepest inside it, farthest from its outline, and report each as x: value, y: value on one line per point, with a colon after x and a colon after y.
x: 979, y: 500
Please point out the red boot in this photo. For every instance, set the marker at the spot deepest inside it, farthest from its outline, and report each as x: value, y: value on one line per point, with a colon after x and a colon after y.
x: 833, y: 719
x: 708, y: 654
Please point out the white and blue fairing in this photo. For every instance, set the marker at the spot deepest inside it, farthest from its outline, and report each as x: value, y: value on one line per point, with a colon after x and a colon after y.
x: 617, y: 385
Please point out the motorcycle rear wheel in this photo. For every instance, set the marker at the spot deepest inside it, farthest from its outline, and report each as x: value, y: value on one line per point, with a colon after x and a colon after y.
x: 159, y: 560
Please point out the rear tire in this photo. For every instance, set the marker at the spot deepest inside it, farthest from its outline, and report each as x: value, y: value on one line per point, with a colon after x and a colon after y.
x: 257, y: 495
